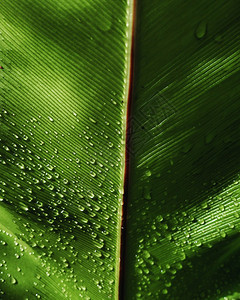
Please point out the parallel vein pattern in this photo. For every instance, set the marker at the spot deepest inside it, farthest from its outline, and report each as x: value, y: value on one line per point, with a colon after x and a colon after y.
x: 63, y: 85
x: 183, y: 209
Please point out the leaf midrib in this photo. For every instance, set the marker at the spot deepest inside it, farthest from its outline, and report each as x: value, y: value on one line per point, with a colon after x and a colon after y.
x: 127, y: 99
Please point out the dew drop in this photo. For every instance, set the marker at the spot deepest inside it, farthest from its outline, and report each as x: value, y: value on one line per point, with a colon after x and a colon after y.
x: 164, y: 291
x: 218, y: 38
x: 187, y: 147
x: 93, y: 174
x: 92, y: 120
x: 209, y: 137
x: 201, y: 30
x: 13, y: 280
x: 90, y: 194
x: 148, y: 173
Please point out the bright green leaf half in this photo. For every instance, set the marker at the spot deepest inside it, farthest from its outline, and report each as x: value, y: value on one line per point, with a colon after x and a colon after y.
x: 63, y: 107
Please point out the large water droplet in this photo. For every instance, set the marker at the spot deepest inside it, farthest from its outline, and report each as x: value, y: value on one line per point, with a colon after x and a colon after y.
x: 201, y: 30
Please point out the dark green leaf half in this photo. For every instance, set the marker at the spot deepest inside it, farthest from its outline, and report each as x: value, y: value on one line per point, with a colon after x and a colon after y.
x: 183, y: 207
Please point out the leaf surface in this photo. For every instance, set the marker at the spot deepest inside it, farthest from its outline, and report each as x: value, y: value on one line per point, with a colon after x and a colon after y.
x: 183, y: 202
x: 64, y: 87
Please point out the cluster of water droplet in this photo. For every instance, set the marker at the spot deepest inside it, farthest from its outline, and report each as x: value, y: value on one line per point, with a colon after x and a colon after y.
x: 57, y: 209
x: 167, y: 242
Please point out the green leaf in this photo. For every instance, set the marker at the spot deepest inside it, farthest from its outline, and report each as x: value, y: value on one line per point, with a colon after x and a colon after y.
x: 65, y: 93
x: 64, y: 88
x: 183, y: 202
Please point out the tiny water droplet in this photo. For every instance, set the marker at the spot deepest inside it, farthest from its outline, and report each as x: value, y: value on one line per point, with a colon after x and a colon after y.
x: 223, y: 234
x: 90, y: 194
x: 65, y: 181
x: 92, y: 120
x: 148, y: 173
x: 222, y: 208
x: 146, y: 254
x: 187, y: 147
x: 164, y: 291
x: 93, y: 174
x: 218, y: 38
x: 209, y: 137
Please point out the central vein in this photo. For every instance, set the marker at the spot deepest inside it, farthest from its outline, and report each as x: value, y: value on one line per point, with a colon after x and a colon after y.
x: 127, y: 99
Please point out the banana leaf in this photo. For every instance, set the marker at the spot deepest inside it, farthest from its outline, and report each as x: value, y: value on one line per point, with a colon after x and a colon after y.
x: 183, y: 212
x: 120, y: 144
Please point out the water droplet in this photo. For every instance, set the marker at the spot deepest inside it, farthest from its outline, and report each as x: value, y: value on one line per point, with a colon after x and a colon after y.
x: 146, y: 254
x: 218, y: 38
x: 187, y: 147
x: 13, y: 280
x: 201, y: 30
x: 93, y: 174
x: 164, y: 291
x: 65, y: 181
x: 92, y: 120
x: 159, y: 218
x: 209, y: 137
x: 222, y: 208
x: 147, y: 193
x: 148, y: 173
x: 223, y: 234
x: 90, y: 194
